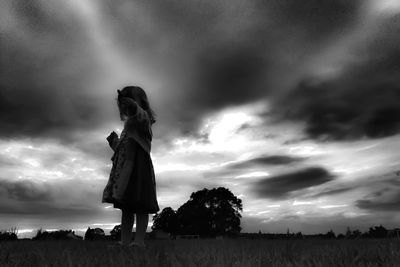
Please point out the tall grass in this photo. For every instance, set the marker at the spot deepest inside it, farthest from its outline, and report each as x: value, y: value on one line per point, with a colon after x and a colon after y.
x: 227, y: 252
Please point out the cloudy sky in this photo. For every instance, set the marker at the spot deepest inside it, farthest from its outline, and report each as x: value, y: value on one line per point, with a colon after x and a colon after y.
x: 292, y: 105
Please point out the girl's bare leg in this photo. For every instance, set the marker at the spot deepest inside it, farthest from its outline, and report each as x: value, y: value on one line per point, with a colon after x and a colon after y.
x: 127, y: 221
x: 142, y: 220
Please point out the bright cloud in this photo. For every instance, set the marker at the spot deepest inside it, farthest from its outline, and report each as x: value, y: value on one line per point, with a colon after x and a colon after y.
x: 301, y: 122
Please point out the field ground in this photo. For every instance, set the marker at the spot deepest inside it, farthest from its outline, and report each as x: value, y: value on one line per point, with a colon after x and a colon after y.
x: 227, y: 252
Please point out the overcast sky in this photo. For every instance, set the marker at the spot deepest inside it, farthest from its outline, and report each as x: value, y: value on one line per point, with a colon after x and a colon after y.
x: 292, y: 105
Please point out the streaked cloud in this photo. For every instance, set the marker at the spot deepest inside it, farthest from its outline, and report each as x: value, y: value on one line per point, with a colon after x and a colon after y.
x: 386, y: 200
x: 280, y: 186
x: 294, y: 106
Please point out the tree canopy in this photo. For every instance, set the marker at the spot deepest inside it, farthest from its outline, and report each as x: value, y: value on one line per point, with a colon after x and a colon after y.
x: 207, y: 213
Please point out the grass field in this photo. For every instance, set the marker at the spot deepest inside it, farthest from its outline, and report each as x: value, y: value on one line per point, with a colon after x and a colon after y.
x: 227, y: 252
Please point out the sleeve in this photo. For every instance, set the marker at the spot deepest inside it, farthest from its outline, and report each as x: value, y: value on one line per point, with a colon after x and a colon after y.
x: 140, y: 116
x: 113, y: 144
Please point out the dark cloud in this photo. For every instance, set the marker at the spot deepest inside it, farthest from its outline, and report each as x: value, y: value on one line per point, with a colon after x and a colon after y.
x: 251, y: 164
x: 237, y: 66
x: 280, y: 186
x: 224, y: 73
x: 332, y: 192
x: 266, y: 160
x: 334, y: 111
x: 62, y: 199
x: 380, y: 192
x: 363, y: 101
x: 25, y: 190
x: 320, y: 18
x: 46, y: 73
x: 39, y: 18
x: 384, y: 181
x: 205, y: 56
x: 395, y: 181
x: 80, y: 213
x: 391, y: 178
x: 381, y: 202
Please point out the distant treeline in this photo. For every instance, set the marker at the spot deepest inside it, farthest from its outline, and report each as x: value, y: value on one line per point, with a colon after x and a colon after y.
x: 115, y: 234
x: 373, y: 232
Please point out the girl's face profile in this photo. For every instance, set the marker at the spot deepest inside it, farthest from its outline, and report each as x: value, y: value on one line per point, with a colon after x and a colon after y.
x: 123, y: 111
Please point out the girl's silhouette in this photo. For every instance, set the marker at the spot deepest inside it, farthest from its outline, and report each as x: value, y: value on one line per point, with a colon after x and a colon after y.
x: 131, y: 186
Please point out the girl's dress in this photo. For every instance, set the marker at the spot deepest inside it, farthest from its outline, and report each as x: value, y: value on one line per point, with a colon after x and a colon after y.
x: 136, y: 192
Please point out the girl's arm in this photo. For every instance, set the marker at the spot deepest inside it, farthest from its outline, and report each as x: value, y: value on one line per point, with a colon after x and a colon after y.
x: 136, y: 114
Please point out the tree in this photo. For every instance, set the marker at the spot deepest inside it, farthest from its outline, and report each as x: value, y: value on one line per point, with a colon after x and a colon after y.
x: 167, y: 221
x: 348, y: 232
x: 194, y: 218
x: 299, y: 235
x: 94, y: 234
x: 12, y: 234
x: 116, y: 232
x: 356, y: 233
x: 210, y: 213
x: 377, y: 232
x: 54, y: 235
x: 330, y: 234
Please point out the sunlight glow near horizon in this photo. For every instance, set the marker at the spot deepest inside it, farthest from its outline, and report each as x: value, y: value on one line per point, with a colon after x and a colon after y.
x: 335, y: 155
x: 29, y: 233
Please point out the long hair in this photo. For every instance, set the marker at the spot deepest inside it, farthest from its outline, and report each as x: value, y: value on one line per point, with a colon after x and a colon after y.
x: 136, y: 92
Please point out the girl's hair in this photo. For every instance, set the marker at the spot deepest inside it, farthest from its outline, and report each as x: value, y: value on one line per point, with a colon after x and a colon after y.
x: 136, y: 92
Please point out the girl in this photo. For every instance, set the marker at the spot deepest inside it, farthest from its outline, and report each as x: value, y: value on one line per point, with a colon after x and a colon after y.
x: 131, y: 186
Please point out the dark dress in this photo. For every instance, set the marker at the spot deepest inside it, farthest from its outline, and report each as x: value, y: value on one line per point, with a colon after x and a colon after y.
x: 140, y: 193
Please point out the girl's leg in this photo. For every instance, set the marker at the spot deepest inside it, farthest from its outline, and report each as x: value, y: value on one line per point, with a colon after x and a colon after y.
x: 127, y: 221
x: 142, y: 220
